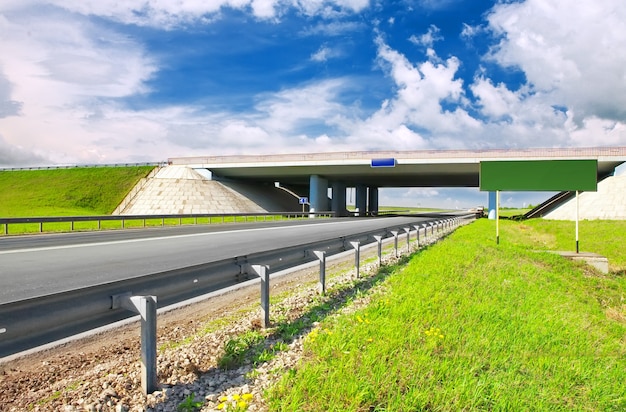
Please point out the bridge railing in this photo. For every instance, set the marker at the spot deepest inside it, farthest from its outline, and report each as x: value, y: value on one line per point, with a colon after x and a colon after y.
x: 162, y: 220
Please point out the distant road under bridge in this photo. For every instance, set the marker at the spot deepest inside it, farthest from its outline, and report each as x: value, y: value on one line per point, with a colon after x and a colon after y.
x: 315, y: 173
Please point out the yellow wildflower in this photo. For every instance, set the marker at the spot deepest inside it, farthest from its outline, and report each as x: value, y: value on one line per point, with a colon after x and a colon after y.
x: 247, y: 396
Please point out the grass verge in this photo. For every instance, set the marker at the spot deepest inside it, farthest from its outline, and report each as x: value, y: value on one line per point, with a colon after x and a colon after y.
x: 66, y: 192
x: 469, y: 325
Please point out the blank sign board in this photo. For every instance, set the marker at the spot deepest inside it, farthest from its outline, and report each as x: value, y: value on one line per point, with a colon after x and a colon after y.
x: 539, y: 175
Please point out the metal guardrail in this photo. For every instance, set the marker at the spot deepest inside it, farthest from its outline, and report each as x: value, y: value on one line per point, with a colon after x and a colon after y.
x: 79, y: 166
x: 34, y: 322
x: 125, y: 218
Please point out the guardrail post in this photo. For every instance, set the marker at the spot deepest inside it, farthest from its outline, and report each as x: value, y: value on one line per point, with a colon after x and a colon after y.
x: 321, y: 286
x: 379, y: 241
x: 417, y: 236
x: 408, y: 242
x: 264, y: 273
x: 357, y: 256
x: 395, y: 240
x: 146, y: 307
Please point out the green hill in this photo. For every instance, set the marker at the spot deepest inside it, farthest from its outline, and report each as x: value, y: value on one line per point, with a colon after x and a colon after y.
x: 66, y: 192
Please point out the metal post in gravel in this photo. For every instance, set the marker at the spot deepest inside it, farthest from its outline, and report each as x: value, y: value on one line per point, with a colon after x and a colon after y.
x: 395, y: 240
x: 321, y: 286
x: 417, y: 236
x: 408, y: 242
x: 357, y: 256
x: 379, y: 241
x: 146, y: 307
x: 264, y: 273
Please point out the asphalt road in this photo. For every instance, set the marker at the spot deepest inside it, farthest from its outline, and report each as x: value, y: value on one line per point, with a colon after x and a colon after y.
x: 33, y: 266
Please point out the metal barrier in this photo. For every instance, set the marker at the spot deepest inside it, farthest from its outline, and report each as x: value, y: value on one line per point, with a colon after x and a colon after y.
x: 33, y: 322
x: 126, y: 218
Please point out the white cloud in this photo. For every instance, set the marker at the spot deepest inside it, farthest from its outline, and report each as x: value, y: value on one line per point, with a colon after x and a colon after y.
x: 171, y: 13
x: 574, y: 53
x: 289, y: 110
x: 423, y: 89
x: 58, y: 68
x: 325, y: 53
x: 18, y: 156
x: 63, y: 76
x: 470, y: 31
x: 332, y: 28
x: 427, y: 39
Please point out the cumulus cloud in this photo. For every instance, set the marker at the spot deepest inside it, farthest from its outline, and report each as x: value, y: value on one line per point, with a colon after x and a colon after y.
x: 18, y: 156
x: 572, y: 53
x: 56, y: 70
x: 423, y: 89
x: 64, y: 76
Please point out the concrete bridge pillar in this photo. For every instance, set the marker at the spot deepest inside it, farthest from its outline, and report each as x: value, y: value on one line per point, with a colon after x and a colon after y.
x: 373, y: 200
x: 338, y: 202
x: 318, y: 196
x: 361, y: 199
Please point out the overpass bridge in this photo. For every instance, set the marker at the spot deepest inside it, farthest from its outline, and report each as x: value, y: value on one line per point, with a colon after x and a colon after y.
x: 367, y: 171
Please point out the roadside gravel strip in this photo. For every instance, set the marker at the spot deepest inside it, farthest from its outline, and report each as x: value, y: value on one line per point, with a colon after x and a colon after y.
x: 103, y: 373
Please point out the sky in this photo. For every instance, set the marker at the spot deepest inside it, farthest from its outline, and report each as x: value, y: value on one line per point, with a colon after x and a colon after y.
x: 109, y: 81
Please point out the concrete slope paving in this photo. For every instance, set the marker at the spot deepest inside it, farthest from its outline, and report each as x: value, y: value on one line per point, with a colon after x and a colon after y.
x: 182, y: 190
x: 608, y: 203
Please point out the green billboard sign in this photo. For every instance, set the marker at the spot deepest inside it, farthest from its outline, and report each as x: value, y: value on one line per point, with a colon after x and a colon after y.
x: 539, y: 175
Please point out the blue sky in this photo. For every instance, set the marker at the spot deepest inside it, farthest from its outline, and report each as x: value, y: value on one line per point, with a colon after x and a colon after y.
x: 107, y: 81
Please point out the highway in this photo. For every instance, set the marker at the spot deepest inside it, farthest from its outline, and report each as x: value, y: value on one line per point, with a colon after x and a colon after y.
x: 39, y: 265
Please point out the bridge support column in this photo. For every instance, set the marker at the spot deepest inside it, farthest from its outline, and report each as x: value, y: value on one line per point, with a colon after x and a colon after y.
x: 318, y: 196
x: 492, y: 205
x: 361, y: 199
x: 338, y: 202
x: 373, y: 200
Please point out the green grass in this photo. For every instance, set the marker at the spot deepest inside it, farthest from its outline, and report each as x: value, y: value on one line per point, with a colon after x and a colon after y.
x: 470, y: 325
x: 605, y: 237
x: 66, y: 192
x: 511, y: 212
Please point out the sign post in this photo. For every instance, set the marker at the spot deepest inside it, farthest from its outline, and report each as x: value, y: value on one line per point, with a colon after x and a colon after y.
x: 303, y: 201
x: 577, y: 215
x: 497, y: 217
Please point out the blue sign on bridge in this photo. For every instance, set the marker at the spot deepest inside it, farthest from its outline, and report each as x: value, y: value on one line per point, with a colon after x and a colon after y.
x: 388, y: 162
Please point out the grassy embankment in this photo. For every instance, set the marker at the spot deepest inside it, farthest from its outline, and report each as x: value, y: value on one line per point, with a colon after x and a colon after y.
x: 469, y: 325
x: 88, y: 191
